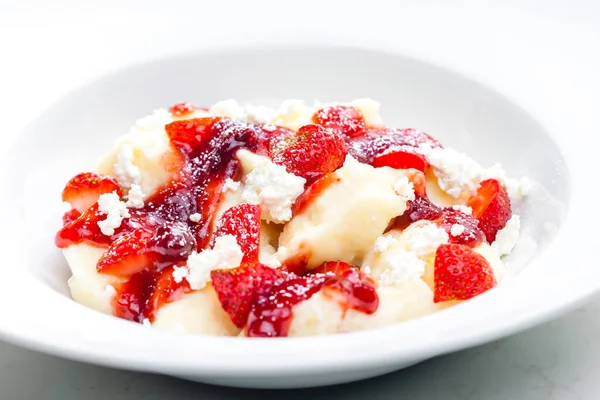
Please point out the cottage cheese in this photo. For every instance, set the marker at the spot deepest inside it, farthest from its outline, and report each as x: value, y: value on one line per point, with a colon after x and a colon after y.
x: 144, y: 156
x: 405, y: 188
x: 228, y: 108
x: 424, y: 237
x: 465, y: 209
x: 269, y: 185
x: 195, y: 217
x: 135, y: 197
x: 457, y: 229
x: 230, y: 184
x: 155, y: 121
x: 225, y: 254
x: 507, y: 237
x: 459, y: 175
x: 180, y: 272
x: 115, y: 210
x: 126, y: 172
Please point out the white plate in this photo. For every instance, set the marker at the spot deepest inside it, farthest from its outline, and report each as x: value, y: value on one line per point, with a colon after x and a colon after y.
x: 69, y: 136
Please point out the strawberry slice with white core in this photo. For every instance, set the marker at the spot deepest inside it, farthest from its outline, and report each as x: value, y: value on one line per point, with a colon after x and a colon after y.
x: 243, y: 222
x: 491, y: 207
x: 401, y: 157
x: 189, y: 134
x: 127, y: 255
x: 460, y: 273
x: 236, y: 289
x: 346, y: 119
x: 83, y: 190
x: 184, y: 109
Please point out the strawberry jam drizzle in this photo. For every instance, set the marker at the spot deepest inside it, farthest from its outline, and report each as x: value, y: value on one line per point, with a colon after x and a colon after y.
x: 195, y: 189
x: 272, y: 312
x: 422, y: 209
x: 377, y: 141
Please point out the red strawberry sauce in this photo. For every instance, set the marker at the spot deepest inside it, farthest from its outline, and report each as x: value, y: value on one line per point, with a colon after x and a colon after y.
x: 271, y: 314
x: 196, y: 188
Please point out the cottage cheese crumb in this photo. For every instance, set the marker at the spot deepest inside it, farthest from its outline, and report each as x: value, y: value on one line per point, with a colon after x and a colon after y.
x: 271, y: 186
x: 126, y: 172
x: 384, y: 243
x: 405, y: 188
x: 115, y: 210
x: 135, y: 197
x: 230, y: 184
x: 402, y: 266
x: 456, y: 172
x: 226, y: 254
x: 366, y: 270
x: 457, y: 229
x: 525, y: 186
x: 425, y: 239
x: 179, y: 273
x: 156, y: 121
x: 465, y: 209
x: 195, y: 217
x: 228, y: 108
x: 146, y: 322
x: 507, y: 237
x: 370, y: 111
x: 259, y: 114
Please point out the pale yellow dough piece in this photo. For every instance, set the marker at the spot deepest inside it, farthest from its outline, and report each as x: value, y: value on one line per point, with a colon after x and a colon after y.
x: 153, y: 155
x: 324, y: 314
x: 87, y: 286
x: 435, y: 193
x: 199, y: 312
x: 344, y: 221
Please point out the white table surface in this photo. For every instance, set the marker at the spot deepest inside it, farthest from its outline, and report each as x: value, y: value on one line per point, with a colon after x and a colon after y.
x: 50, y: 49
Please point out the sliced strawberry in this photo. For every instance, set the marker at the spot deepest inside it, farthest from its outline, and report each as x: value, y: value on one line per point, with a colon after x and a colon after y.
x: 70, y: 216
x: 275, y: 137
x: 189, y: 134
x: 418, y: 180
x: 167, y: 289
x: 460, y: 273
x: 207, y: 204
x: 133, y: 297
x: 183, y: 109
x: 236, y: 289
x: 358, y: 290
x: 491, y: 206
x: 421, y: 208
x: 243, y: 222
x: 314, y: 151
x: 470, y: 236
x: 377, y: 141
x: 127, y: 255
x: 312, y: 192
x: 337, y: 268
x: 84, y: 228
x: 84, y: 189
x: 346, y: 119
x: 401, y: 157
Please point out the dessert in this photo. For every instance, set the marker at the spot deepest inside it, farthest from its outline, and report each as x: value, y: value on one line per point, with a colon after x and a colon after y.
x: 305, y: 220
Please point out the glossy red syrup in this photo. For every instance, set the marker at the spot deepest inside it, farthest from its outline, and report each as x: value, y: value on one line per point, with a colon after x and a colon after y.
x: 272, y: 312
x: 167, y: 213
x: 208, y: 154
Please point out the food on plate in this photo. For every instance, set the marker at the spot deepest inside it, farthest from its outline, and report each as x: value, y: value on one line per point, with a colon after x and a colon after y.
x: 305, y: 220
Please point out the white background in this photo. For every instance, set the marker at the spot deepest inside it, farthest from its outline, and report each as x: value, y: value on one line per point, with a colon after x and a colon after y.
x: 49, y: 48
